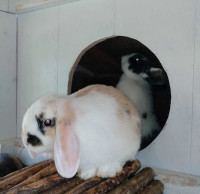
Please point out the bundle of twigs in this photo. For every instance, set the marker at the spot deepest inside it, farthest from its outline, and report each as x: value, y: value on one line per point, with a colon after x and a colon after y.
x: 43, y: 178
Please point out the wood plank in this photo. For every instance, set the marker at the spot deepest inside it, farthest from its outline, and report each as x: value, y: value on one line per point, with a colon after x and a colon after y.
x: 136, y: 183
x: 111, y: 183
x: 86, y: 185
x: 67, y: 185
x: 21, y: 175
x: 154, y: 187
x: 40, y: 185
x: 7, y: 75
x: 49, y: 170
x: 195, y: 133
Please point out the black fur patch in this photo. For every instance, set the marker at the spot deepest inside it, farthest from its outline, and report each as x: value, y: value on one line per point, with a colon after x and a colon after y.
x: 144, y: 115
x: 33, y: 140
x: 40, y: 122
x: 128, y: 112
x: 139, y: 64
x: 147, y: 140
x: 155, y: 133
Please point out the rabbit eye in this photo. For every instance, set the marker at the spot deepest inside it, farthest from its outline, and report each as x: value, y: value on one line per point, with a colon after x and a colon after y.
x: 137, y: 59
x: 47, y: 122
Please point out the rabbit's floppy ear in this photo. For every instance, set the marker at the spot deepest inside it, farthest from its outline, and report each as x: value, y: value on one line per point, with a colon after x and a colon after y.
x: 66, y: 148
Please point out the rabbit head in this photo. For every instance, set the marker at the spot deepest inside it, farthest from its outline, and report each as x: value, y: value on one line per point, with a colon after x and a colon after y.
x: 44, y: 131
x: 139, y: 66
x: 38, y: 126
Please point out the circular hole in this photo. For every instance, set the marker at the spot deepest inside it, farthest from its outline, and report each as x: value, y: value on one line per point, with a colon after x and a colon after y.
x: 101, y: 64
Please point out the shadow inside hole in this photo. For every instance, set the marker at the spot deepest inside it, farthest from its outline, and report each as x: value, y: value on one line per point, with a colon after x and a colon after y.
x: 101, y: 64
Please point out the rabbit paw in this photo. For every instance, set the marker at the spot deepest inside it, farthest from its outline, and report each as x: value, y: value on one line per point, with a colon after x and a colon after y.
x: 109, y: 170
x: 86, y: 174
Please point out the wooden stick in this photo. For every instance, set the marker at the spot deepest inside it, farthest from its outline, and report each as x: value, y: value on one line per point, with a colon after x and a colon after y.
x: 22, y: 175
x: 140, y: 180
x: 41, y: 185
x: 27, y: 167
x: 154, y: 187
x: 65, y: 186
x: 86, y: 185
x: 110, y: 183
x: 23, y: 169
x: 49, y: 170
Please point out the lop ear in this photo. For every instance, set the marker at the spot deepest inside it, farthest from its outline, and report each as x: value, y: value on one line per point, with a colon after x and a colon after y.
x: 66, y: 149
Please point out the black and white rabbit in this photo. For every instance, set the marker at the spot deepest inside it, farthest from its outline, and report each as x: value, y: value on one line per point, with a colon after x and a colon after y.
x: 93, y: 131
x: 136, y: 81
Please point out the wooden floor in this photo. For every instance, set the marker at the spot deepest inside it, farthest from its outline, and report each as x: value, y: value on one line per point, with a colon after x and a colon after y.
x: 43, y: 178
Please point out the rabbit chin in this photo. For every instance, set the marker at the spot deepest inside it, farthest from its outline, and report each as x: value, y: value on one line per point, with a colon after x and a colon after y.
x: 48, y: 155
x: 32, y: 154
x: 45, y: 150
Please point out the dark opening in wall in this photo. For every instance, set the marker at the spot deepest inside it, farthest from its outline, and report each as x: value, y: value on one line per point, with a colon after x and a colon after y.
x: 101, y: 64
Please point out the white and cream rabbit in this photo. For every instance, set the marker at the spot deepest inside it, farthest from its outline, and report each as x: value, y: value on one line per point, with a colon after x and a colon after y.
x: 93, y: 131
x: 136, y: 81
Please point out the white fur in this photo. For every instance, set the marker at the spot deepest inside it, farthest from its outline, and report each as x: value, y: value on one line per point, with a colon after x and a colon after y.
x: 139, y: 92
x: 107, y: 141
x: 115, y: 141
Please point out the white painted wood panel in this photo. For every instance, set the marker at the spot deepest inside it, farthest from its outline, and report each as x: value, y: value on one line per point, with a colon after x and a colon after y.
x: 4, y: 5
x: 21, y: 6
x: 167, y: 29
x: 195, y: 138
x: 39, y: 46
x: 30, y: 5
x: 80, y: 24
x: 7, y: 76
x: 37, y: 57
